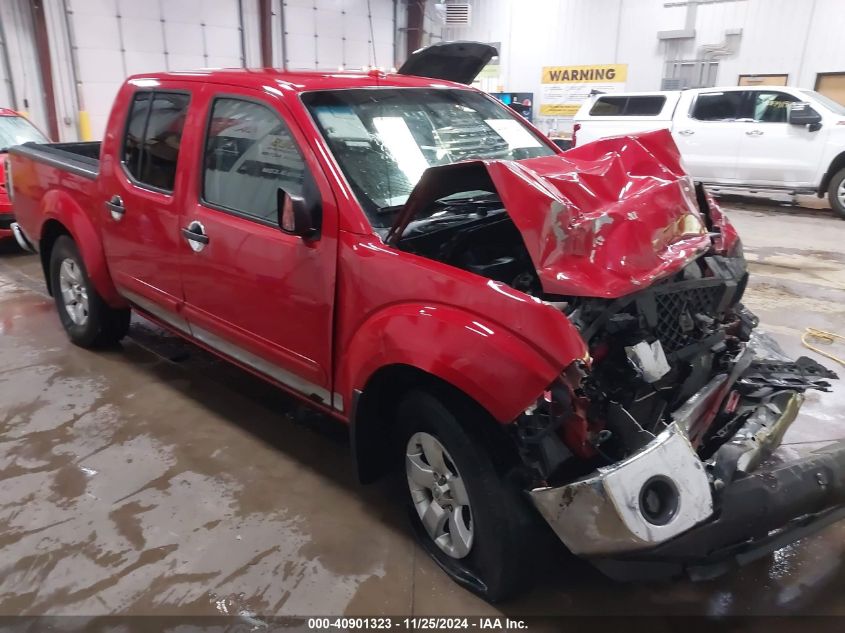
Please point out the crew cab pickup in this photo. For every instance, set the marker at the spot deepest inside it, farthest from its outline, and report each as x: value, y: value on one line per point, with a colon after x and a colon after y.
x: 533, y: 334
x: 760, y: 138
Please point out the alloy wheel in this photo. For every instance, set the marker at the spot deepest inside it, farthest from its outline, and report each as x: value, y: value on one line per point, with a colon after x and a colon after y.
x: 439, y: 495
x: 74, y: 292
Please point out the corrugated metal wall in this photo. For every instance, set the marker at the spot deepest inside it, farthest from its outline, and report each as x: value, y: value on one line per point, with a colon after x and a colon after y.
x: 20, y: 79
x: 116, y: 38
x: 333, y: 34
x: 796, y: 37
x: 95, y: 44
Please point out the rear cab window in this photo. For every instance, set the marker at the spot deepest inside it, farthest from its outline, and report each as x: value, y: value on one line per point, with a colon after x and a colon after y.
x: 152, y: 138
x: 634, y: 105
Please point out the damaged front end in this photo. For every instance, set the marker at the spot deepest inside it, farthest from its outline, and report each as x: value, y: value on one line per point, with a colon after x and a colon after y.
x: 656, y: 447
x: 652, y: 458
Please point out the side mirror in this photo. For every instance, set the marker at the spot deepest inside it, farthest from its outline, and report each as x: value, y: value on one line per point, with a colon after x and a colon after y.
x: 800, y: 113
x: 296, y: 216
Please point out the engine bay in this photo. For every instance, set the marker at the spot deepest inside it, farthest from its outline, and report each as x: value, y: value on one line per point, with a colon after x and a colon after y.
x: 683, y: 339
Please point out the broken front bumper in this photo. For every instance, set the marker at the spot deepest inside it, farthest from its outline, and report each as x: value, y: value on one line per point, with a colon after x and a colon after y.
x: 604, y: 514
x: 704, y: 522
x: 755, y: 515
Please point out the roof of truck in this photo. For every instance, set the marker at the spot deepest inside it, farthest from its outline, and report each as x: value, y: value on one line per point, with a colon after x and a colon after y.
x: 297, y: 81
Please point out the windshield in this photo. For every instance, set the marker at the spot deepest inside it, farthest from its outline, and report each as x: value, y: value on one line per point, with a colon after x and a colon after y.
x: 827, y: 102
x: 15, y: 130
x: 385, y: 138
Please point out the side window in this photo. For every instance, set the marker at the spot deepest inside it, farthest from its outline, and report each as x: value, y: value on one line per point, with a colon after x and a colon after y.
x: 134, y: 139
x: 609, y: 106
x: 153, y: 136
x: 249, y: 155
x: 718, y: 106
x: 772, y: 107
x: 642, y: 105
x: 645, y: 105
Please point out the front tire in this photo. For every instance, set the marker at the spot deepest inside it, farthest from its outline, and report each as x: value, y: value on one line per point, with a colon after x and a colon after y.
x: 836, y: 193
x: 88, y: 320
x: 463, y: 513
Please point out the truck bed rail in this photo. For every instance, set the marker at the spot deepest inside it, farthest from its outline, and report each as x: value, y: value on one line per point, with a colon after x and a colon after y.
x: 81, y: 159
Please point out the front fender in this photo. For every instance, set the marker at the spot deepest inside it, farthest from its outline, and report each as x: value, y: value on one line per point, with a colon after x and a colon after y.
x: 498, y: 369
x: 59, y: 206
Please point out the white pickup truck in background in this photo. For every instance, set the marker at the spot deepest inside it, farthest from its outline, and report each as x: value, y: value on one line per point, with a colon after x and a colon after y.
x: 761, y: 139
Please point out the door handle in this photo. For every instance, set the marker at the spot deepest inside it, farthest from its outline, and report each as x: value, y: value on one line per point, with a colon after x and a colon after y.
x: 116, y: 208
x: 754, y: 132
x: 194, y: 233
x: 686, y: 132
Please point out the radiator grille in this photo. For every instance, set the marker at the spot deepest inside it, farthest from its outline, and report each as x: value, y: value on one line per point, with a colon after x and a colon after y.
x: 676, y: 310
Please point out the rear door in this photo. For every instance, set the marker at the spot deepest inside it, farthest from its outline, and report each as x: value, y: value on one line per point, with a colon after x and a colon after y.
x: 709, y: 132
x: 256, y: 294
x: 773, y: 152
x: 143, y: 187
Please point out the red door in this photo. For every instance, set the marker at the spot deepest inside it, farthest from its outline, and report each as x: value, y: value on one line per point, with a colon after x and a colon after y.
x: 252, y: 292
x: 144, y: 188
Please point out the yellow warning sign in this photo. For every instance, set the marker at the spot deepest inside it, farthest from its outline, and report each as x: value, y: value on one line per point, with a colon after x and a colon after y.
x: 559, y: 109
x: 603, y: 73
x: 565, y: 88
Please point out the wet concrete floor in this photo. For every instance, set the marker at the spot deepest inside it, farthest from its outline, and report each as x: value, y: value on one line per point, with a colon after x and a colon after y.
x: 155, y: 479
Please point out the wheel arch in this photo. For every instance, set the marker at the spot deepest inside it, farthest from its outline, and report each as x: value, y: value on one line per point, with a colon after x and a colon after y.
x: 50, y: 232
x: 64, y: 216
x: 373, y: 407
x: 837, y: 164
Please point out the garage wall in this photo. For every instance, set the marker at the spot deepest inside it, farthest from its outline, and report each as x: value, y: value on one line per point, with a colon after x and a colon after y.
x: 116, y: 38
x: 96, y: 44
x: 20, y: 78
x: 335, y: 34
x: 798, y: 37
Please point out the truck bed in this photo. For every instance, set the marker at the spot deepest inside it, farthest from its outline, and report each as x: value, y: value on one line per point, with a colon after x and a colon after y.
x: 82, y: 159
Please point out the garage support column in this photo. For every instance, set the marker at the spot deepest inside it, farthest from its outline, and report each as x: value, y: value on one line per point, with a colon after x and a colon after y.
x: 265, y: 21
x: 84, y: 121
x: 42, y: 45
x: 7, y: 67
x: 414, y: 25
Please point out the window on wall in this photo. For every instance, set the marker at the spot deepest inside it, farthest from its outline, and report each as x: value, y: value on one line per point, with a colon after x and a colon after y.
x: 153, y: 136
x: 718, y: 106
x: 249, y: 154
x: 832, y: 85
x: 762, y: 80
x: 771, y: 107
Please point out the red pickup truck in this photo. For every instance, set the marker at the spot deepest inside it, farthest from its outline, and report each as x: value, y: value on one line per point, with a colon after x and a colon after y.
x: 532, y: 333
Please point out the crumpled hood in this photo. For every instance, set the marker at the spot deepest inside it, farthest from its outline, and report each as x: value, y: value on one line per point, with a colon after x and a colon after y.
x: 607, y: 218
x: 601, y: 220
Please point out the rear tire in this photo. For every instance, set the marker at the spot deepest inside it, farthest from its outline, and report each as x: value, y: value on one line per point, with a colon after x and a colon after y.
x: 836, y: 193
x: 482, y: 523
x: 88, y: 320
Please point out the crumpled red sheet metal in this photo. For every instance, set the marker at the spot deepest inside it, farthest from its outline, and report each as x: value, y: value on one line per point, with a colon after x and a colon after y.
x: 601, y: 220
x: 607, y: 218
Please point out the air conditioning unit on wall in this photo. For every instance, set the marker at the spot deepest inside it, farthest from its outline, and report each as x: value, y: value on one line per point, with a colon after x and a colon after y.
x: 454, y: 14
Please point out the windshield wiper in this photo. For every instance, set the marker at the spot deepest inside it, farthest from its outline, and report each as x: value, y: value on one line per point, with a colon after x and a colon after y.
x: 391, y: 209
